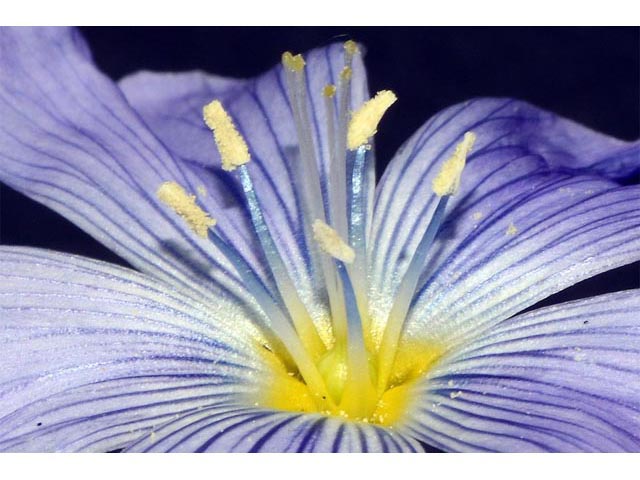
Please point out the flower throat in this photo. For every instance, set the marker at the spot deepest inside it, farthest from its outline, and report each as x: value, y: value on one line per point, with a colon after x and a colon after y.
x: 346, y: 369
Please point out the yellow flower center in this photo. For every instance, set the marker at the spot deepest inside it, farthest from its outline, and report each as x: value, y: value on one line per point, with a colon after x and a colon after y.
x: 285, y: 389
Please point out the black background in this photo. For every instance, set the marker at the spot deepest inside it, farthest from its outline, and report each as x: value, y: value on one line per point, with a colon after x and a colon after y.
x: 588, y: 74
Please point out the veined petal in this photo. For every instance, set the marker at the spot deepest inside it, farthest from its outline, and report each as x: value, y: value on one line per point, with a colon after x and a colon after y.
x: 537, y: 244
x: 96, y: 356
x: 171, y: 104
x: 100, y: 357
x: 521, y: 208
x: 69, y: 139
x: 224, y: 429
x: 562, y: 378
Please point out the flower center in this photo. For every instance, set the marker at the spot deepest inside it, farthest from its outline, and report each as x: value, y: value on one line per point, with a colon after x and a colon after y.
x: 287, y: 390
x: 349, y: 371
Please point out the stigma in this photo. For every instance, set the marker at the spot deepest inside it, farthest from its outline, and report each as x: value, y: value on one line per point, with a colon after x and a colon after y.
x: 338, y: 365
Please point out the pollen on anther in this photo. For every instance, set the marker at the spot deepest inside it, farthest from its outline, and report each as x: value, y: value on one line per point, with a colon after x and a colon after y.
x: 447, y: 181
x: 232, y: 147
x: 364, y: 122
x: 294, y: 63
x: 175, y: 197
x: 330, y: 242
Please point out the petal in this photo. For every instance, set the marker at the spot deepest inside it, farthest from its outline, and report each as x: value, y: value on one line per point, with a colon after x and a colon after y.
x: 224, y: 429
x: 562, y: 378
x: 70, y: 140
x: 569, y: 222
x: 171, y: 104
x: 96, y: 356
x: 566, y: 231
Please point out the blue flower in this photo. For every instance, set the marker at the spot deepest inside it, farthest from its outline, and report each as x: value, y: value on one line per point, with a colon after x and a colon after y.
x: 283, y: 301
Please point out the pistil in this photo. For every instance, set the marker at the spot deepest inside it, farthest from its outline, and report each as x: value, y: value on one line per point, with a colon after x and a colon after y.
x: 308, y: 177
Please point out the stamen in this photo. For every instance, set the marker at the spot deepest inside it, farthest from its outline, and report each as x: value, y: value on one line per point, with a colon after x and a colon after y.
x: 397, y: 317
x: 178, y: 200
x: 448, y: 179
x: 357, y: 227
x: 331, y: 243
x: 232, y: 147
x: 280, y: 325
x: 226, y: 136
x: 364, y: 122
x: 175, y: 197
x: 299, y: 314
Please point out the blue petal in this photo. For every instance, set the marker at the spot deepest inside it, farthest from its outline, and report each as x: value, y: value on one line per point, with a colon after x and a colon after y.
x: 562, y: 378
x: 70, y: 140
x: 96, y: 356
x: 171, y: 105
x: 569, y: 222
x: 224, y: 429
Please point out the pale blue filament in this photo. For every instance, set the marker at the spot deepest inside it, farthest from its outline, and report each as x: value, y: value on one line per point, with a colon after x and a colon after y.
x: 356, y: 349
x: 406, y: 291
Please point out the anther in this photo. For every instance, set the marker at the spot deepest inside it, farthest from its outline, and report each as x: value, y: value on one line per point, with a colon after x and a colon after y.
x: 364, y: 122
x: 331, y: 243
x: 175, y: 197
x: 232, y: 147
x: 447, y: 181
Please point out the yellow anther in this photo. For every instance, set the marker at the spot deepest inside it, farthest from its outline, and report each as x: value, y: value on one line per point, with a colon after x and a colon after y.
x: 292, y: 62
x: 329, y: 91
x: 175, y: 197
x: 351, y: 47
x: 345, y: 74
x: 331, y: 243
x: 232, y: 147
x: 447, y: 181
x: 364, y: 122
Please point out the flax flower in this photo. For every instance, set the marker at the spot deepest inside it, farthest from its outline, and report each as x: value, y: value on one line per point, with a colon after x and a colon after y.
x: 284, y: 302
